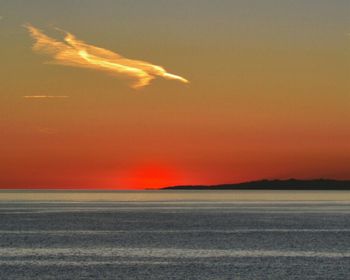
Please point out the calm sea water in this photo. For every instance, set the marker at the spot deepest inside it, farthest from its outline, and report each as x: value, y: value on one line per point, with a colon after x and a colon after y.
x: 174, y: 235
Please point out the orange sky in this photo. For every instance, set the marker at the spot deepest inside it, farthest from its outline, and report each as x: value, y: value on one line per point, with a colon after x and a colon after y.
x: 269, y: 94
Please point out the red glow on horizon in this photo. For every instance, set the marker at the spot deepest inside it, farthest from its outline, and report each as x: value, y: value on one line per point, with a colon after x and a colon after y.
x: 150, y: 176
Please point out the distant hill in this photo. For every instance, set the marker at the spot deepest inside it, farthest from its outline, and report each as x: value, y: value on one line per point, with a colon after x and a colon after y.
x: 290, y: 184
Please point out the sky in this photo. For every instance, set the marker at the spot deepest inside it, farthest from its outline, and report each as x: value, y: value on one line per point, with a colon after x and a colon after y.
x: 266, y: 92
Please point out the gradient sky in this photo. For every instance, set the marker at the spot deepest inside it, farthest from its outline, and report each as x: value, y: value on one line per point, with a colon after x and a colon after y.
x: 269, y: 94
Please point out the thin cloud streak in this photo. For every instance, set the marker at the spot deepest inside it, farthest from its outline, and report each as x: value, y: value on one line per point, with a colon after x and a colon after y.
x: 45, y: 96
x: 76, y: 53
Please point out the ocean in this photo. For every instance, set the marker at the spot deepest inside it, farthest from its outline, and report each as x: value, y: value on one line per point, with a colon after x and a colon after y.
x: 174, y: 235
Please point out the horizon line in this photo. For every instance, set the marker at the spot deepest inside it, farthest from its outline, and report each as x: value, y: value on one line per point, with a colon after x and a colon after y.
x: 165, y: 187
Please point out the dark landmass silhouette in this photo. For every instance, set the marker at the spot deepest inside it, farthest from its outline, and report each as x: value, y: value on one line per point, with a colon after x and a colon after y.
x: 290, y: 184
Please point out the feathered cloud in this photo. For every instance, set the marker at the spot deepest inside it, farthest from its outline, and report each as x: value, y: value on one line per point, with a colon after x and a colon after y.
x: 76, y: 53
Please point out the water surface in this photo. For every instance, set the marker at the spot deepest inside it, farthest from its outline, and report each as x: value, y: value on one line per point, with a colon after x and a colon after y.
x: 174, y: 235
x: 174, y: 195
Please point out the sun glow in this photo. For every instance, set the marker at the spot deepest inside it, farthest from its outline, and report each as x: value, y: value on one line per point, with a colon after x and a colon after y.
x: 150, y: 176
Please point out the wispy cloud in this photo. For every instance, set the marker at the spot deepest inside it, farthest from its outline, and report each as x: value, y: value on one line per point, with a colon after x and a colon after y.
x: 44, y: 96
x: 76, y: 53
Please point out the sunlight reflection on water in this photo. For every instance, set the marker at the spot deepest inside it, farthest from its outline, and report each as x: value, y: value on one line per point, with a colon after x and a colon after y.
x: 173, y: 195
